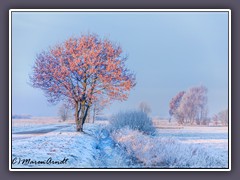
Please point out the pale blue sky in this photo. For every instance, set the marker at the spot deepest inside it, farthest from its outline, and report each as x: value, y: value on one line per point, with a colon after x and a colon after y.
x: 168, y: 51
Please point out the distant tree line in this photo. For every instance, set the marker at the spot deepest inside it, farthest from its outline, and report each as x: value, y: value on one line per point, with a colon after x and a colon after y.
x: 21, y: 116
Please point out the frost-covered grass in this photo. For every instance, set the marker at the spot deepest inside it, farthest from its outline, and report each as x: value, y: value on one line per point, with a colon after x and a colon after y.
x: 170, y: 152
x: 78, y: 148
x: 92, y: 149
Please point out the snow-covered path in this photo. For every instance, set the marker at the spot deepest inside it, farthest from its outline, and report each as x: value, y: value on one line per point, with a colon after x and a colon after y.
x: 43, y: 130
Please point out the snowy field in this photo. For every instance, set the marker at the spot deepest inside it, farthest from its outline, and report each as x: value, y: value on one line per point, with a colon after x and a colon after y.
x: 48, y: 143
x: 59, y: 141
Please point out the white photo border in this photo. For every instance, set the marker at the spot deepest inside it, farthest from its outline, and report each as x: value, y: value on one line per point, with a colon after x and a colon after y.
x: 119, y: 10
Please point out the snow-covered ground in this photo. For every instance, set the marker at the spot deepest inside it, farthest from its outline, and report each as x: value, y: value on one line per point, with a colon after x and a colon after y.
x: 63, y: 147
x: 49, y: 143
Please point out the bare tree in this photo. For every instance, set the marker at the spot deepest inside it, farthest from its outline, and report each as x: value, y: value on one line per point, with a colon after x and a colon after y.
x: 97, y: 108
x: 64, y: 112
x: 173, y: 106
x: 144, y: 107
x: 191, y: 106
x: 222, y: 116
x: 215, y: 120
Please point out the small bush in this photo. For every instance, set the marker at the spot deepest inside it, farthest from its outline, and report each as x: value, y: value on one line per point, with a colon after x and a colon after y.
x: 136, y: 120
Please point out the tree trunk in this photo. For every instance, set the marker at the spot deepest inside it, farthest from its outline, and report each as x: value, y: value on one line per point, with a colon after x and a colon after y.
x: 94, y: 113
x: 85, y: 115
x: 77, y: 120
x: 82, y: 113
x: 88, y: 118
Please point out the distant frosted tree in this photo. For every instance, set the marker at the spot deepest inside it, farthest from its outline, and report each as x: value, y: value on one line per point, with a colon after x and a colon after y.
x: 215, y: 120
x: 222, y: 117
x: 173, y: 106
x: 64, y: 112
x: 194, y: 105
x: 190, y: 106
x: 144, y: 107
x: 97, y: 108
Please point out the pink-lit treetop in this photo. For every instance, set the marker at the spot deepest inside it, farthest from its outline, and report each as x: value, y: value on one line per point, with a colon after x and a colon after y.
x: 81, y: 70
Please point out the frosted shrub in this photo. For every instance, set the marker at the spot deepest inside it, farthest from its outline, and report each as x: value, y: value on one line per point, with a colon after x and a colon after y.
x: 136, y: 120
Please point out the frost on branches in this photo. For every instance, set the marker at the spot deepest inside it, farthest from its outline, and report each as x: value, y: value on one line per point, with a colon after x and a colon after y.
x: 174, y: 104
x: 191, y: 106
x: 81, y: 71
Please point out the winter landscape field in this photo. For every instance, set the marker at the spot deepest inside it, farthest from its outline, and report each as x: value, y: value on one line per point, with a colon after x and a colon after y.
x: 36, y: 140
x: 120, y: 89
